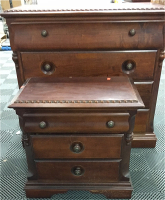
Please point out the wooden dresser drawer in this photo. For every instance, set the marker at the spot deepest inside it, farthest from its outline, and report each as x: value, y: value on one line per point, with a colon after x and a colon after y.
x: 105, y: 63
x: 76, y: 146
x: 76, y: 123
x: 91, y: 172
x: 86, y: 36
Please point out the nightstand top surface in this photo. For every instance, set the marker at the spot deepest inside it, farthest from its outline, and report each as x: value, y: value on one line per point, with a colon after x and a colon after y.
x: 78, y: 92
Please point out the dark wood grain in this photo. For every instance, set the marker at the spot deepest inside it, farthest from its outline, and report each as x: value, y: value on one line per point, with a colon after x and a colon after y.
x: 103, y: 63
x: 38, y: 189
x: 76, y: 123
x: 85, y: 42
x: 93, y: 29
x: 145, y: 91
x: 147, y: 140
x: 103, y: 158
x: 79, y: 92
x: 158, y: 67
x: 94, y: 171
x: 141, y: 121
x: 59, y: 146
x: 85, y: 36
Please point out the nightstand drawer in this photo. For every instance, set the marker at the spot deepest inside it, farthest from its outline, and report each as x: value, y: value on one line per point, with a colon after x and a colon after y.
x: 86, y: 36
x: 90, y: 171
x: 76, y: 122
x: 138, y: 65
x: 76, y: 146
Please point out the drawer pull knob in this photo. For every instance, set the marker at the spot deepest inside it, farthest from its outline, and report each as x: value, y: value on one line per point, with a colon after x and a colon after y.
x: 44, y: 33
x: 129, y: 66
x: 42, y: 124
x: 77, y: 171
x: 77, y: 147
x: 47, y: 67
x: 132, y: 32
x: 110, y: 124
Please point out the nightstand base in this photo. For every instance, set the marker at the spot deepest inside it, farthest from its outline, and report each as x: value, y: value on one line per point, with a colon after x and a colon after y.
x: 36, y: 189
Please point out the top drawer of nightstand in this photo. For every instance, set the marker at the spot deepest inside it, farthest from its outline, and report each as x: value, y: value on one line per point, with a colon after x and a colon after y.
x: 86, y: 36
x: 76, y: 122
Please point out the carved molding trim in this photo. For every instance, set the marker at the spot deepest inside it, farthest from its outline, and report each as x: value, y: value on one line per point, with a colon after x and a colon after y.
x: 129, y: 138
x: 86, y: 10
x: 25, y: 140
x: 15, y: 59
x: 129, y: 134
x: 161, y: 58
x: 76, y: 101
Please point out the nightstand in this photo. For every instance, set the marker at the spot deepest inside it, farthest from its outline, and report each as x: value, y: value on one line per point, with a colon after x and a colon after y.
x: 77, y: 134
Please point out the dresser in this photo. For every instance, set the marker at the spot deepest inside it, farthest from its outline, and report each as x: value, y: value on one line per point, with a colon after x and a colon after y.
x: 93, y: 40
x: 77, y: 134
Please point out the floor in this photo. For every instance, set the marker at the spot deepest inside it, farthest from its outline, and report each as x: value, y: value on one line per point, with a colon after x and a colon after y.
x: 147, y: 166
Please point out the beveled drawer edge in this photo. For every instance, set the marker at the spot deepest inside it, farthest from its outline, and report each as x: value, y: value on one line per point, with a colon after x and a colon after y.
x: 76, y: 135
x: 144, y: 83
x: 89, y: 51
x: 103, y: 160
x: 74, y: 113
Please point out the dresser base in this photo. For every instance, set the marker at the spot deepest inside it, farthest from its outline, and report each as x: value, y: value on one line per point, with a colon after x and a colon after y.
x: 35, y: 189
x: 144, y: 140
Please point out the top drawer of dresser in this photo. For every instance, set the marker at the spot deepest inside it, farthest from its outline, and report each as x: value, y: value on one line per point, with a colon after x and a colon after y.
x: 85, y: 36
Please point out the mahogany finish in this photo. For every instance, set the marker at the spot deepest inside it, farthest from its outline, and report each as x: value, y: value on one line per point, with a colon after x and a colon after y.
x: 90, y: 63
x: 76, y: 122
x: 80, y: 133
x: 95, y: 171
x: 145, y: 91
x: 61, y: 146
x: 141, y: 120
x: 85, y: 36
x: 98, y: 40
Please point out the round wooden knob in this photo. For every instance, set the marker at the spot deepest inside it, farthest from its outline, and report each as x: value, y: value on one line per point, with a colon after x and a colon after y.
x: 44, y: 33
x: 42, y: 124
x: 110, y: 124
x: 47, y: 67
x: 132, y: 32
x: 77, y: 171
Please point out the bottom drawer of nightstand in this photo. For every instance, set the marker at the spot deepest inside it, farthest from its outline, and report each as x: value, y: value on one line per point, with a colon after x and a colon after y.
x: 93, y: 171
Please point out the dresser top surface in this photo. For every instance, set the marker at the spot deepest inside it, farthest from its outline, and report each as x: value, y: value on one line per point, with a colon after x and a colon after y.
x: 69, y: 6
x: 87, y: 8
x: 78, y: 92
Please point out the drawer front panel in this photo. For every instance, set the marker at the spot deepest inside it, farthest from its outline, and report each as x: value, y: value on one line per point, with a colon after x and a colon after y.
x: 90, y: 146
x: 65, y: 64
x: 91, y: 171
x: 76, y: 123
x: 86, y: 36
x: 145, y: 91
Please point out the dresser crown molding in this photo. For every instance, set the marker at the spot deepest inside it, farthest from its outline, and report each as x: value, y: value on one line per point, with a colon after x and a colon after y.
x: 103, y: 11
